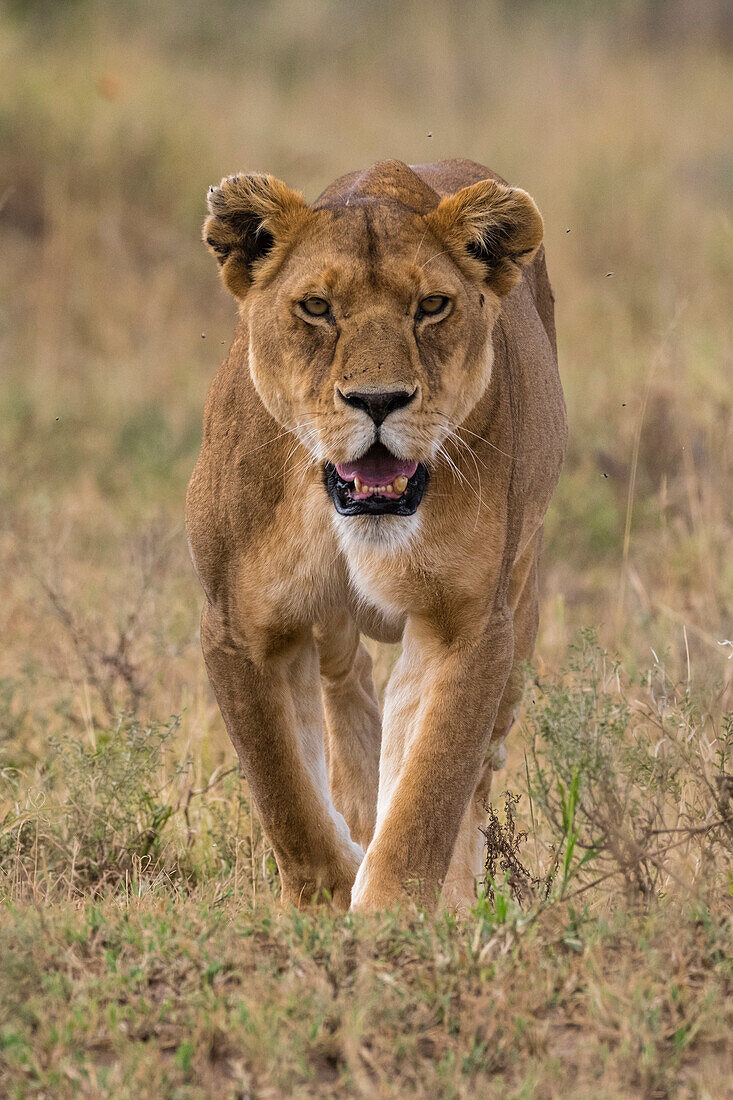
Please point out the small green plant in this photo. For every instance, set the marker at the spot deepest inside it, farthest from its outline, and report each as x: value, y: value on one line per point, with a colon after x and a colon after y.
x: 496, y: 904
x: 118, y: 809
x: 99, y: 809
x: 568, y: 867
x: 118, y: 801
x: 623, y: 783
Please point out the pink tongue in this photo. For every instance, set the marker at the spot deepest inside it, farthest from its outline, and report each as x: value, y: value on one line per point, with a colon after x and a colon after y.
x: 377, y: 467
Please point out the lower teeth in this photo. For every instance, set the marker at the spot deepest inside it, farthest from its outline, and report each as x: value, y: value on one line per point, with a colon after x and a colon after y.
x: 398, y: 486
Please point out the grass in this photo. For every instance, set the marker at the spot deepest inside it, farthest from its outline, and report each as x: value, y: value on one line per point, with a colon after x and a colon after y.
x: 170, y: 995
x: 143, y: 950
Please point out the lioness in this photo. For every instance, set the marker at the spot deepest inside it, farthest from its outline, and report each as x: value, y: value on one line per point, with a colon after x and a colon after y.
x: 379, y: 450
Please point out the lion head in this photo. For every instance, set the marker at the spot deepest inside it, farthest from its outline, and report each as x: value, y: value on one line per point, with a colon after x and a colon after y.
x: 370, y: 315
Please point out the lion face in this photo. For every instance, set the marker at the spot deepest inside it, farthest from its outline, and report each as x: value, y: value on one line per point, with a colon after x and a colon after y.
x: 370, y: 318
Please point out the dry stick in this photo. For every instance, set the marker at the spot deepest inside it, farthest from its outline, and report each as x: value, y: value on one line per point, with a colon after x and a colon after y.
x: 73, y: 867
x: 82, y: 646
x: 655, y: 856
x: 634, y: 466
x: 252, y: 850
x: 14, y: 891
x: 694, y: 492
x: 632, y: 488
x: 217, y: 776
x: 237, y: 843
x: 531, y: 814
x: 35, y: 858
x: 590, y: 885
x: 692, y: 830
x: 657, y: 605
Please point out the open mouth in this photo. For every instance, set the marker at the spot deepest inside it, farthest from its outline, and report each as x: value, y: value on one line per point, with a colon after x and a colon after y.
x: 376, y: 484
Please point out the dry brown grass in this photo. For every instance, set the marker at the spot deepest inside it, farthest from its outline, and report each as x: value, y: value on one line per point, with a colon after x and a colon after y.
x: 140, y: 948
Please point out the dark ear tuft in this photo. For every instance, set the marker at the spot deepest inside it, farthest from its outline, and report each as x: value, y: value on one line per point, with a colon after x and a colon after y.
x: 247, y: 216
x: 497, y: 225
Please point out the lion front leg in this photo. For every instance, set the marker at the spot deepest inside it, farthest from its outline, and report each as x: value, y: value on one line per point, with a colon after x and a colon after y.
x: 467, y: 865
x: 439, y: 715
x: 272, y: 710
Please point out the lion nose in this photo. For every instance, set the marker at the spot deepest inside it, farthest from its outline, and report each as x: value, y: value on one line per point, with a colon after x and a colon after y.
x: 380, y: 404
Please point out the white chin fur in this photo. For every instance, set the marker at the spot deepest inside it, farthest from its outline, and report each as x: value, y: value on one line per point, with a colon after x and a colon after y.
x: 386, y: 533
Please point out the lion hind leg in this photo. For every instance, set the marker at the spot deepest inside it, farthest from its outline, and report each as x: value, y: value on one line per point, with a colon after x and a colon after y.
x: 352, y: 725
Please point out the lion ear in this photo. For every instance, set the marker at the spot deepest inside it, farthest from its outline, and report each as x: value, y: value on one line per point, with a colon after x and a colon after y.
x: 497, y: 225
x: 248, y: 217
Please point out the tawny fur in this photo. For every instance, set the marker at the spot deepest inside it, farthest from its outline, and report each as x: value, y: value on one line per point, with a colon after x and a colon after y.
x: 375, y: 809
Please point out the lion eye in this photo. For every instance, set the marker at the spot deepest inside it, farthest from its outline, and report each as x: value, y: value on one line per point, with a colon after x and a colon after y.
x: 434, y: 303
x: 316, y: 307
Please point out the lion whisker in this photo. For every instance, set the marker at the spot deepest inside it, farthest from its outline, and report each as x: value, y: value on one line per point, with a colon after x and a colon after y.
x: 434, y: 257
x: 461, y: 428
x: 452, y: 435
x: 268, y: 442
x: 457, y: 473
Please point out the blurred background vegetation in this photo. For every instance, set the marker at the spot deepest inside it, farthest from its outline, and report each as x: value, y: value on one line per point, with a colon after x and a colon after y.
x: 114, y: 119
